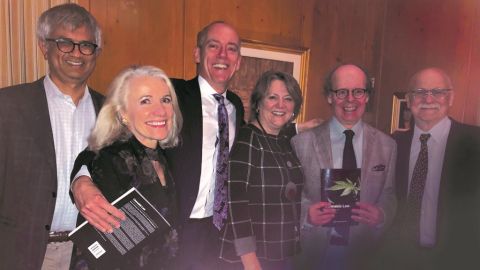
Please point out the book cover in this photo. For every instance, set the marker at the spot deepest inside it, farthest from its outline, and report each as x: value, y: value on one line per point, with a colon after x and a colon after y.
x: 104, y: 250
x: 341, y: 187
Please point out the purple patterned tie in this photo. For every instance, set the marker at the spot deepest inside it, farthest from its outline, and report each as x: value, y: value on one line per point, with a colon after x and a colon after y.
x: 221, y: 175
x: 417, y: 186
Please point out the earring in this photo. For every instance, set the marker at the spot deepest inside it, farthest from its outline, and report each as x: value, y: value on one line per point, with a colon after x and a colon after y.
x: 124, y: 121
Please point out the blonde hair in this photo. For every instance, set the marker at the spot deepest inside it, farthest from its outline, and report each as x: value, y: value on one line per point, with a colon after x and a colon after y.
x: 109, y: 127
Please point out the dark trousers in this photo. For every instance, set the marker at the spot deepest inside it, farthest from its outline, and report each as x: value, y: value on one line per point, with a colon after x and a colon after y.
x: 199, y: 245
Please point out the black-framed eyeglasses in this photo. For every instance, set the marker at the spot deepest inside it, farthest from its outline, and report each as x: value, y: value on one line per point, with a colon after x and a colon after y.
x: 437, y: 93
x: 66, y: 45
x: 356, y: 93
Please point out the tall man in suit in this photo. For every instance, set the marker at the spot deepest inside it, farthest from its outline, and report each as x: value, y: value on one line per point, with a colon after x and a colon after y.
x: 43, y: 126
x: 437, y: 183
x: 192, y: 163
x: 348, y: 90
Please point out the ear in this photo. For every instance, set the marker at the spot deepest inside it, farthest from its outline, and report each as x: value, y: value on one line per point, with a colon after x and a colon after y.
x: 98, y: 51
x: 329, y: 99
x: 43, y: 47
x: 367, y: 98
x: 196, y: 54
x: 407, y: 98
x: 450, y: 100
x: 239, y: 61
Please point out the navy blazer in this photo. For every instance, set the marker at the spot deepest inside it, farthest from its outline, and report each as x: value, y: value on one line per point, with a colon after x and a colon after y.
x: 458, y: 214
x: 28, y: 176
x: 186, y: 160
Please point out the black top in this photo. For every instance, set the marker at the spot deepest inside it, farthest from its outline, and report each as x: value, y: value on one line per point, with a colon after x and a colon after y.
x: 126, y: 164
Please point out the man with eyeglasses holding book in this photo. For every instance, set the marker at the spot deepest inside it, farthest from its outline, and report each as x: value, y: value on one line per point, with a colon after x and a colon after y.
x: 331, y: 146
x: 43, y: 126
x: 437, y: 225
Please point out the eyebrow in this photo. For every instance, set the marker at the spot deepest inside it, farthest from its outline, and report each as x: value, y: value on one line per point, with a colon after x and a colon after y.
x: 218, y: 41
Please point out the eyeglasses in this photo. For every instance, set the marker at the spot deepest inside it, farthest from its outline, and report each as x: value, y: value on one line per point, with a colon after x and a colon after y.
x: 67, y: 46
x: 435, y: 93
x: 356, y: 93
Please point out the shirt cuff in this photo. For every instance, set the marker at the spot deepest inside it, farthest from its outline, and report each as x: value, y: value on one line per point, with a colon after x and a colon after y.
x: 245, y: 245
x: 82, y: 172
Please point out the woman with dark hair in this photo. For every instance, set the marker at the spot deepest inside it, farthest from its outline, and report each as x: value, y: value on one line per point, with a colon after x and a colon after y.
x: 265, y: 181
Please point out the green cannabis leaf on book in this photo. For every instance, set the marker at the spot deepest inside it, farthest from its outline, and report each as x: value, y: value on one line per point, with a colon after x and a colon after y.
x: 347, y: 187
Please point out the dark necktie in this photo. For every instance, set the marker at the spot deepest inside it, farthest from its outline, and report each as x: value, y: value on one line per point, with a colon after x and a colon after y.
x: 221, y: 172
x: 342, y: 232
x: 417, y: 186
x: 349, y: 160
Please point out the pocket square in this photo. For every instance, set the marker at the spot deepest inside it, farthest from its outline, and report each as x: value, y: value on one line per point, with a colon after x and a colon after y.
x: 378, y: 168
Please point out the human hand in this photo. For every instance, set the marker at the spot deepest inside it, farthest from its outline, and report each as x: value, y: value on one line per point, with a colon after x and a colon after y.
x: 368, y: 214
x: 250, y: 261
x: 301, y: 127
x: 93, y: 206
x: 320, y: 213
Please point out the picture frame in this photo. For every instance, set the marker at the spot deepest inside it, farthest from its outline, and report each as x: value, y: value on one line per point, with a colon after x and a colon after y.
x: 258, y: 57
x: 401, y: 115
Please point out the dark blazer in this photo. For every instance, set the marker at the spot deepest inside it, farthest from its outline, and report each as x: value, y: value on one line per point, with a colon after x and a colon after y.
x: 186, y: 160
x: 458, y: 214
x: 28, y: 178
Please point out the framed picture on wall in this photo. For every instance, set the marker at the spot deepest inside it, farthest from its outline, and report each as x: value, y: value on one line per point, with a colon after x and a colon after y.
x: 258, y: 57
x: 401, y: 114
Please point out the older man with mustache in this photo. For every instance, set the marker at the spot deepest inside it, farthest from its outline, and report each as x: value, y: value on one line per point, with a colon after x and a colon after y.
x: 437, y: 183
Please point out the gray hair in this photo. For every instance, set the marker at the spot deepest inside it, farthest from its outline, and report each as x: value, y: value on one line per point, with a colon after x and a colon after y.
x: 263, y: 84
x: 71, y: 16
x: 109, y: 127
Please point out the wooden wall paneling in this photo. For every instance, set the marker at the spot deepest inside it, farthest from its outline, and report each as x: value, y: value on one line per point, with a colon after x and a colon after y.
x: 472, y: 106
x: 343, y: 32
x: 420, y: 34
x: 142, y: 32
x: 279, y: 22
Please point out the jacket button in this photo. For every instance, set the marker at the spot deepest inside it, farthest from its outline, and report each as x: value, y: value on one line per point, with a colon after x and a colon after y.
x: 47, y: 227
x: 54, y: 194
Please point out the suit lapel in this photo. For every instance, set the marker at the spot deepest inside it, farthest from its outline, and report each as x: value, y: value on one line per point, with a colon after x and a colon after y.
x: 194, y: 108
x: 404, y: 142
x: 322, y: 146
x: 97, y: 100
x: 41, y: 123
x: 368, y: 145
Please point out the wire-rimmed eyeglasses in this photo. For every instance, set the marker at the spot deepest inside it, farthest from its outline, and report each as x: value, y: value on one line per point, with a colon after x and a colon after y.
x: 437, y: 93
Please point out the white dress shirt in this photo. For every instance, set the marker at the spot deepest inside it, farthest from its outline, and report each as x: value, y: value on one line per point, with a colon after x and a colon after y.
x: 436, y: 152
x: 203, y: 206
x: 71, y: 126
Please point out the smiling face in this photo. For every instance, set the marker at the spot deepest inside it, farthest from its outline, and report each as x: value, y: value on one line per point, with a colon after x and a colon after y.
x: 428, y: 111
x: 276, y: 108
x: 349, y: 110
x: 72, y: 68
x: 149, y: 109
x: 219, y: 57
